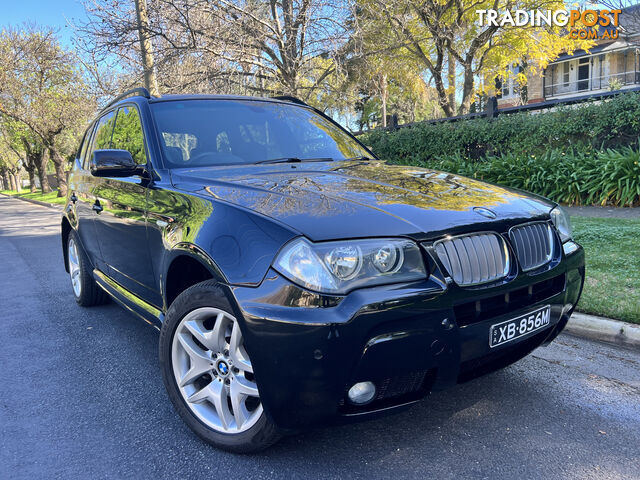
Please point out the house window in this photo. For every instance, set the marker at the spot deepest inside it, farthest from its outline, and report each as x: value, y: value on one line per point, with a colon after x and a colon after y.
x: 565, y: 74
x: 509, y: 84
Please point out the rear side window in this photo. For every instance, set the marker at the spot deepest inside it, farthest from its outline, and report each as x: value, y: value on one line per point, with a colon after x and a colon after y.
x: 127, y: 134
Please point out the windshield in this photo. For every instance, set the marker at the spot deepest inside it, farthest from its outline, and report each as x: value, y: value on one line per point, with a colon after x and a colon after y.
x: 197, y: 133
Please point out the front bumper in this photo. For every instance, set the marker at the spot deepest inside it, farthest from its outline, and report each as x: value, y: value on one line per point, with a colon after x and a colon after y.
x: 409, y: 339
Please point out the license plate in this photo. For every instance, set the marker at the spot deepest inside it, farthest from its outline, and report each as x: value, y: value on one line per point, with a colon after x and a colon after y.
x: 519, y: 327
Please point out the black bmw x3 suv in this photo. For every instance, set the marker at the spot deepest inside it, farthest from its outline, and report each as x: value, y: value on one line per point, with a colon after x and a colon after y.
x: 294, y: 277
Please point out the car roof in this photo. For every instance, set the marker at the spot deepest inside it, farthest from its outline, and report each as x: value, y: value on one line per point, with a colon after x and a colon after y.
x: 140, y: 96
x: 202, y: 96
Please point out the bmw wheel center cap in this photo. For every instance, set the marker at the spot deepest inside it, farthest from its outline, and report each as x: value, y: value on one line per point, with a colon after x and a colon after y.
x: 222, y: 367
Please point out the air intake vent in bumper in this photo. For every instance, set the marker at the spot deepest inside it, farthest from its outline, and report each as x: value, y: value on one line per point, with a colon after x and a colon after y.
x: 474, y: 259
x: 533, y: 243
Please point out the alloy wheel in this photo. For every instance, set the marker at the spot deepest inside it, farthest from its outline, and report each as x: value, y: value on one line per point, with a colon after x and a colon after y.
x: 213, y: 371
x: 74, y: 267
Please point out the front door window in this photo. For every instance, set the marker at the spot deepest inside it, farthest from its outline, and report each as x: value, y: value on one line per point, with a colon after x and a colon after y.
x: 127, y: 134
x: 584, y: 71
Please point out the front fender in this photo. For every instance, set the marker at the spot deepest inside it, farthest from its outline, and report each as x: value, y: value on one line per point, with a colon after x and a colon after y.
x: 235, y: 244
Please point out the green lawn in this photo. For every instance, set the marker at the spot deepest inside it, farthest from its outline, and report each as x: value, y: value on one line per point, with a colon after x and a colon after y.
x: 51, y: 197
x: 612, y: 249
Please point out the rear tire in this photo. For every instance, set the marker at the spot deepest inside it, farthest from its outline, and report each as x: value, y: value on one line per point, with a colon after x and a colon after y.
x: 85, y: 289
x: 208, y: 374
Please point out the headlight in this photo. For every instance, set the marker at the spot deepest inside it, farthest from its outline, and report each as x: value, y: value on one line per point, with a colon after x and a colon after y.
x: 339, y: 267
x: 345, y: 262
x: 560, y: 219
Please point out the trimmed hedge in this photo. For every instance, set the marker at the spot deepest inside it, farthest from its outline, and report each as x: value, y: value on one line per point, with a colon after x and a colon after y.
x: 586, y: 154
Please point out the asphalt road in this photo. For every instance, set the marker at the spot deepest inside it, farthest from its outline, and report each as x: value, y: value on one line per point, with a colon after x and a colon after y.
x: 81, y: 396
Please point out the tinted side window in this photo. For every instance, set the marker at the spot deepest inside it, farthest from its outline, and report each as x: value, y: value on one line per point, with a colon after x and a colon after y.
x: 84, y: 147
x: 102, y: 135
x: 127, y: 134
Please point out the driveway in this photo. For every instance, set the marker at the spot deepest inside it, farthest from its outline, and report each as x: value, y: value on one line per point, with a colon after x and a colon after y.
x: 81, y: 397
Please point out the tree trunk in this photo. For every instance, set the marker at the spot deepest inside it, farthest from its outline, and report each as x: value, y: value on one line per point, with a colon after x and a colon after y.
x: 261, y: 80
x: 61, y: 175
x: 467, y: 91
x: 436, y: 74
x: 451, y: 79
x: 17, y: 182
x: 289, y: 83
x: 32, y: 178
x: 443, y: 99
x: 384, y: 93
x: 5, y: 180
x: 41, y: 167
x: 30, y: 166
x: 12, y: 181
x: 146, y: 48
x: 34, y: 155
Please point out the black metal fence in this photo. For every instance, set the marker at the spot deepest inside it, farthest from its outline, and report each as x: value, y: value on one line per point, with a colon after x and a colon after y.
x: 493, y: 111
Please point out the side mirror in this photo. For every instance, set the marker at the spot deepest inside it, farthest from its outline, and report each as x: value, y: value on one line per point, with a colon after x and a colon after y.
x: 113, y: 163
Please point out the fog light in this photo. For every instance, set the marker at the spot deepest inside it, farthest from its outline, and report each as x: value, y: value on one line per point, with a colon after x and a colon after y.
x: 362, y: 392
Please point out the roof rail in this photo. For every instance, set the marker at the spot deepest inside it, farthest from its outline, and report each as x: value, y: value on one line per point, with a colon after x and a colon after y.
x: 134, y: 92
x: 289, y: 98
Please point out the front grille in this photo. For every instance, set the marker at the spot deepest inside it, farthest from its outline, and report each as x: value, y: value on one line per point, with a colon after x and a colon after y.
x: 533, y: 244
x: 478, y: 310
x: 474, y: 259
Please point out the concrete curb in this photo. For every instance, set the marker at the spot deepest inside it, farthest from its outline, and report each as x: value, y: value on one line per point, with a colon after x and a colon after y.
x: 36, y: 202
x: 604, y: 330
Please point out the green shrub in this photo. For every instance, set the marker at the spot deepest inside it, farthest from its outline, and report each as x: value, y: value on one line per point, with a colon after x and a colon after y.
x: 586, y: 154
x: 609, y: 124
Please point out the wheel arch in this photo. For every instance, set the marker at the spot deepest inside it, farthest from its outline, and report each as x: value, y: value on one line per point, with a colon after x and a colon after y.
x: 187, y: 265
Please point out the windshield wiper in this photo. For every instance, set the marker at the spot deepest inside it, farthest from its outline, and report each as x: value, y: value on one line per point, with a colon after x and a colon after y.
x: 295, y: 160
x: 361, y: 157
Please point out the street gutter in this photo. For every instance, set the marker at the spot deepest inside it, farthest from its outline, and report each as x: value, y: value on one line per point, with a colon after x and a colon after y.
x: 604, y: 330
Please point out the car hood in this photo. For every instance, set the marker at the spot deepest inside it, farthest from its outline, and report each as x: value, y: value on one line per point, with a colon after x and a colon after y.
x: 350, y: 199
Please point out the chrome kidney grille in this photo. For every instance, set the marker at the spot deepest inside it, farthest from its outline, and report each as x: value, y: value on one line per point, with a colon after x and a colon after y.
x: 475, y: 258
x: 533, y: 243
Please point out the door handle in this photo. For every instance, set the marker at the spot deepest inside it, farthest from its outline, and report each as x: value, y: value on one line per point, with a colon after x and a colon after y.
x: 97, y: 207
x: 73, y: 197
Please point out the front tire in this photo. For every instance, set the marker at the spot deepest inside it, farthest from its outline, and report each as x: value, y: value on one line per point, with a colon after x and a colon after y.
x: 85, y: 289
x: 208, y: 374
